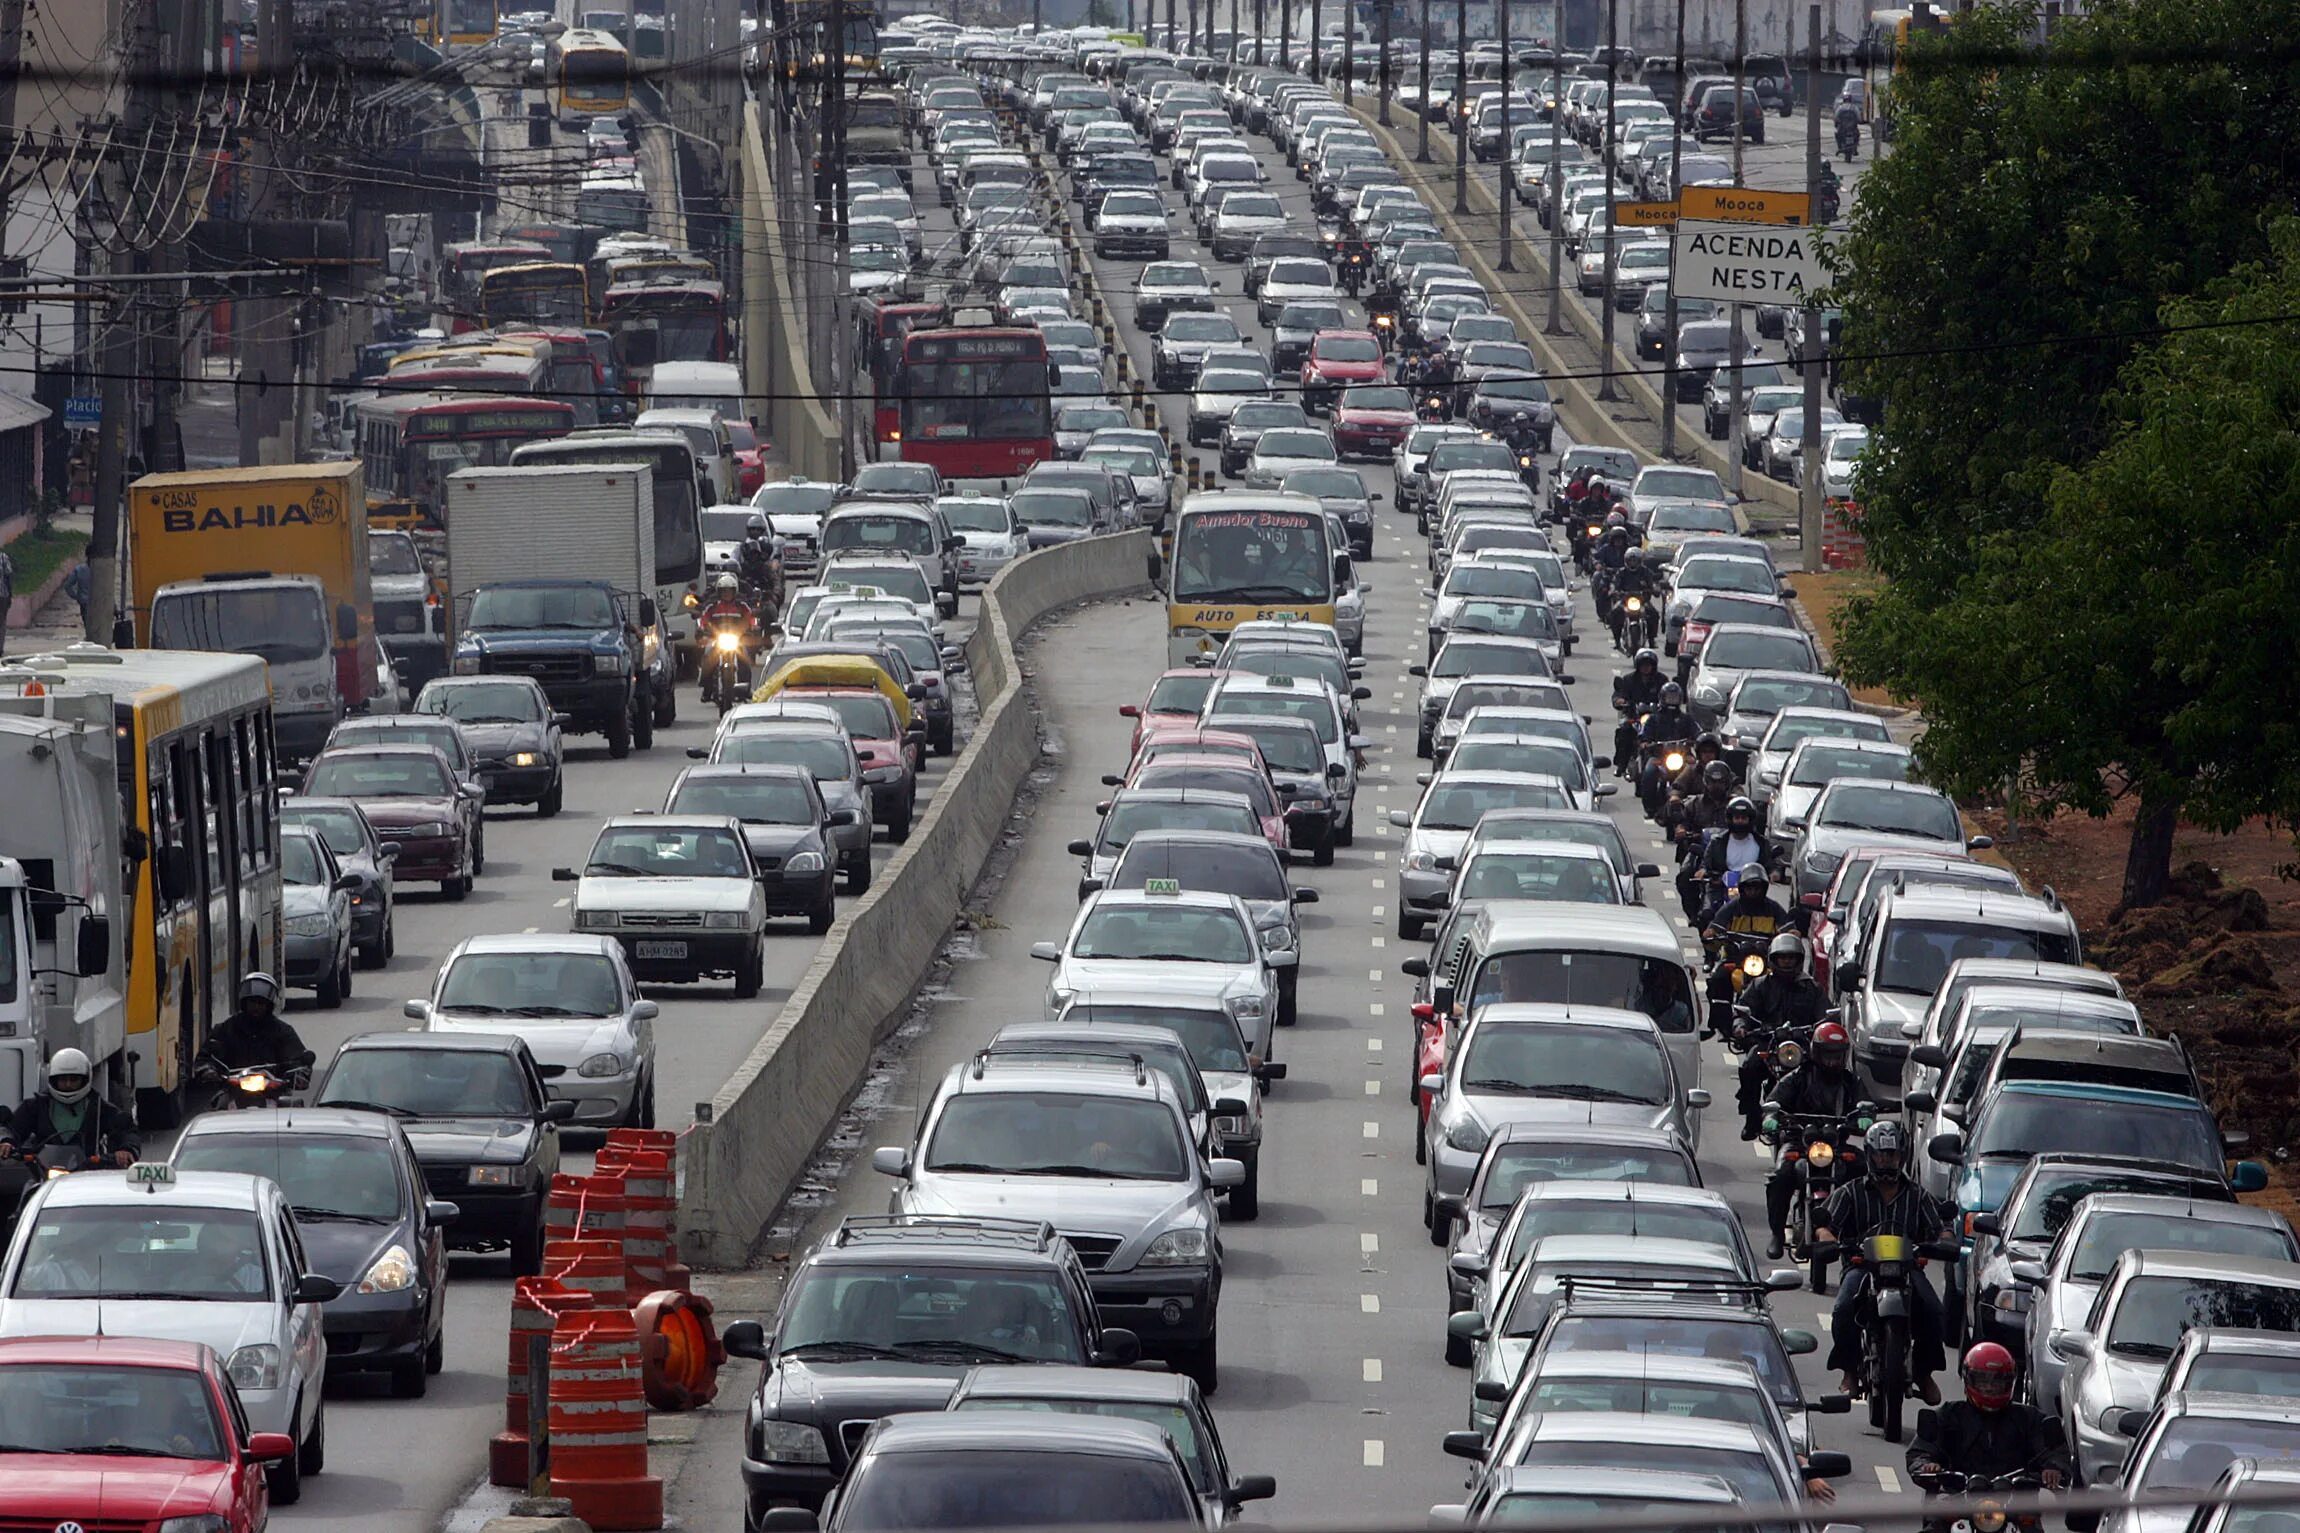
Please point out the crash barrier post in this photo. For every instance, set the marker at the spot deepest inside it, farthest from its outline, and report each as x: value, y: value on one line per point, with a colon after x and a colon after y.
x: 598, y: 1423
x: 679, y: 1351
x: 536, y: 1305
x: 595, y: 1266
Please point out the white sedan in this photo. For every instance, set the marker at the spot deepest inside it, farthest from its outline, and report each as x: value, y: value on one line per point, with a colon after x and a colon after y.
x: 680, y: 893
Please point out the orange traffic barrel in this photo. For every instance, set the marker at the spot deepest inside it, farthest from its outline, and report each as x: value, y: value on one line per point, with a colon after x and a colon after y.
x: 599, y: 1423
x: 536, y: 1305
x: 679, y: 1351
x: 595, y: 1266
x: 649, y: 1206
x: 584, y: 1208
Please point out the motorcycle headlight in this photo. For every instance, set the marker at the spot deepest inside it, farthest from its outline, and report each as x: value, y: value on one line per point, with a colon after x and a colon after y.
x: 1753, y: 965
x: 1674, y: 762
x: 1632, y: 604
x: 1820, y: 1152
x: 255, y: 1367
x: 728, y: 643
x: 309, y: 926
x: 1177, y: 1248
x: 1468, y: 1135
x: 390, y: 1272
x: 690, y: 601
x: 525, y: 759
x: 726, y: 920
x: 792, y: 1442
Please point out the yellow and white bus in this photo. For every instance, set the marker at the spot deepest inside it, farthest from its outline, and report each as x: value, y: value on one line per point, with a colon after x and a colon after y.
x: 200, y: 842
x: 1245, y: 556
x: 594, y: 77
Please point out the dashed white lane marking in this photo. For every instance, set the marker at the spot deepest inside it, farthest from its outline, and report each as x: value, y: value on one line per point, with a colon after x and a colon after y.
x: 559, y: 904
x: 1373, y: 1453
x: 1368, y: 1243
x: 532, y: 930
x: 1370, y: 1303
x: 1373, y: 1088
x: 1371, y: 1370
x: 1377, y: 882
x: 1888, y: 1481
x: 1762, y: 1150
x: 1369, y: 1186
x: 1375, y: 975
x: 1377, y: 914
x: 1379, y: 942
x: 1373, y: 1008
x: 1373, y: 1045
x: 1373, y: 1129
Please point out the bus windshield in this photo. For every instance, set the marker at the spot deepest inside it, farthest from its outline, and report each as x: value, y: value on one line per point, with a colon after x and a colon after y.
x: 968, y: 399
x: 1253, y: 556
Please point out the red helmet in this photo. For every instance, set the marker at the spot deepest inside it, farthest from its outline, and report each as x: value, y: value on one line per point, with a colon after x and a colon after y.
x: 1988, y: 1372
x: 1832, y: 1045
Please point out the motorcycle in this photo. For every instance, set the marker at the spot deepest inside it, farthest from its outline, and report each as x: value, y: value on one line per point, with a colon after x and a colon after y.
x: 253, y: 1085
x: 1736, y: 960
x: 1829, y: 207
x: 1885, y: 1315
x: 1432, y: 407
x: 1658, y: 764
x: 1832, y: 1150
x: 1849, y: 138
x: 1987, y: 1516
x: 1640, y: 621
x: 727, y: 670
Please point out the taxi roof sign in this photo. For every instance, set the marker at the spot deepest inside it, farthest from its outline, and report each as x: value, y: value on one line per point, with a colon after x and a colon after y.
x: 1161, y: 886
x: 152, y: 1174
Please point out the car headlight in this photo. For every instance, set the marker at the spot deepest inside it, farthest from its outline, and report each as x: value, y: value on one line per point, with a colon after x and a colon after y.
x: 255, y: 1367
x: 433, y: 828
x: 594, y: 920
x: 1822, y: 862
x: 1231, y: 1125
x: 2012, y: 1299
x: 792, y: 1442
x: 1467, y: 1134
x: 609, y: 663
x: 1277, y: 939
x: 390, y: 1272
x: 493, y: 1176
x: 1710, y: 695
x: 309, y: 926
x: 599, y: 1066
x: 1177, y: 1248
x: 882, y: 774
x: 468, y: 665
x: 525, y: 759
x: 726, y: 920
x: 1241, y: 1007
x: 805, y: 862
x: 205, y: 1522
x: 1421, y: 862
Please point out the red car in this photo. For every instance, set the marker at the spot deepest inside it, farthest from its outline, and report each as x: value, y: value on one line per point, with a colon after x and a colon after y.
x: 1165, y: 738
x: 1372, y: 420
x: 750, y: 458
x: 1337, y: 359
x: 121, y: 1432
x: 417, y: 804
x: 1174, y: 696
x: 1219, y: 774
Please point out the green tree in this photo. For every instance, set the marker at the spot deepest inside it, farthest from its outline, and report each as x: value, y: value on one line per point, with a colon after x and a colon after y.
x: 2003, y: 267
x: 2133, y: 638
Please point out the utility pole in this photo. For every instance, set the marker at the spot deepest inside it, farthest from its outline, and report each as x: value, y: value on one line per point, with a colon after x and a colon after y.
x: 1285, y: 34
x: 1422, y: 149
x: 1669, y: 315
x: 1388, y: 79
x: 1261, y: 49
x: 1234, y: 29
x: 1739, y: 347
x: 1460, y: 109
x: 1554, y: 175
x: 1317, y: 20
x: 834, y: 151
x: 1605, y: 388
x: 1501, y: 186
x: 1813, y: 355
x: 1173, y: 37
x: 1349, y: 51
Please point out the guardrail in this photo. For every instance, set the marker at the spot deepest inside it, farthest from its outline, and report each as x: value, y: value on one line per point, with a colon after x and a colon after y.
x: 765, y: 1123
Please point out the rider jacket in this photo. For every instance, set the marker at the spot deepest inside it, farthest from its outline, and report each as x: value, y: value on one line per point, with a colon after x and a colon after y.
x: 1719, y: 856
x: 1969, y: 1440
x: 1811, y: 1092
x: 1637, y: 581
x: 1665, y: 724
x: 1774, y: 1001
x: 1639, y: 688
x: 726, y: 612
x: 244, y: 1040
x: 1759, y: 918
x: 1701, y: 811
x: 101, y: 1125
x: 755, y: 559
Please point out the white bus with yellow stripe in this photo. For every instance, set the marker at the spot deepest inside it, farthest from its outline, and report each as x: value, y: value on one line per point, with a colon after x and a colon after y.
x: 1241, y: 556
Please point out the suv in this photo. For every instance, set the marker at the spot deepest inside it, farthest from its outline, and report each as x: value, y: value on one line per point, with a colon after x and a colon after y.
x: 886, y: 1315
x: 1105, y: 1149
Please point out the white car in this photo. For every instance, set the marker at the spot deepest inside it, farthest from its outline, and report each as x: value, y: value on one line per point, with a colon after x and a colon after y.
x: 679, y: 891
x: 1164, y: 936
x: 573, y: 999
x: 1284, y: 449
x: 993, y: 538
x: 1840, y: 455
x: 200, y: 1256
x: 1294, y: 279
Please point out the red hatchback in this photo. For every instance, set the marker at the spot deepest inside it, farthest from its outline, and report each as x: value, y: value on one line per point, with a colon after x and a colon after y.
x: 109, y: 1432
x: 1175, y: 697
x: 1337, y: 359
x: 1372, y: 421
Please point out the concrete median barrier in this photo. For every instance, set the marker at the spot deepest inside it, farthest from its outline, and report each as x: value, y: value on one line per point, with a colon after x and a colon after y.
x: 767, y: 1120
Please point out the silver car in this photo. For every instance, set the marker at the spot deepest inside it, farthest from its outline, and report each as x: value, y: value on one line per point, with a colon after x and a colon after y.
x: 571, y: 996
x: 1816, y: 764
x: 1103, y: 1153
x: 1440, y: 826
x: 1159, y: 936
x: 315, y: 907
x: 1859, y: 811
x: 1732, y: 651
x: 1524, y: 1062
x: 1769, y: 752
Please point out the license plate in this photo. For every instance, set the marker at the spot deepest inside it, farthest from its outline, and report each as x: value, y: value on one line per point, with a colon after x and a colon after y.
x: 662, y: 949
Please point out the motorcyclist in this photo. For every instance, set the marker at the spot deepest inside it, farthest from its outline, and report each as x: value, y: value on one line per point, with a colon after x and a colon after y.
x: 1667, y: 724
x: 70, y: 1110
x: 1690, y: 816
x: 1634, y: 691
x: 1848, y: 128
x: 1746, y: 909
x: 1638, y: 577
x: 1740, y: 842
x: 727, y: 606
x: 1821, y: 1087
x: 760, y: 564
x: 1988, y: 1433
x: 256, y: 1034
x: 1695, y: 777
x: 1885, y: 1202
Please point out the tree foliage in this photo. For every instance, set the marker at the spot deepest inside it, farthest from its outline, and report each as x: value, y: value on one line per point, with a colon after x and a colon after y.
x: 2087, y: 522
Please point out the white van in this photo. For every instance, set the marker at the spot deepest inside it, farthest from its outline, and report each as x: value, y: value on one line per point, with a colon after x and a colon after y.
x: 697, y: 386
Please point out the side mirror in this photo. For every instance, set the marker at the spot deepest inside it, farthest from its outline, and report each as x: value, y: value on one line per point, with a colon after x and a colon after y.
x: 697, y: 753
x: 1987, y: 1224
x: 1828, y: 1466
x: 1833, y: 1405
x: 1469, y: 1445
x: 842, y: 817
x: 2029, y: 1274
x: 562, y: 720
x: 1921, y: 1101
x: 558, y: 1112
x: 1271, y: 1070
x: 1129, y: 710
x: 1305, y: 896
x: 1088, y: 886
x: 1696, y: 1097
x: 1335, y: 771
x: 1401, y: 819
x: 645, y: 1011
x: 2248, y: 1176
x: 745, y: 1338
x: 647, y: 613
x: 1432, y: 1083
x: 1225, y: 1172
x: 1046, y: 952
x: 1081, y: 848
x: 1848, y: 976
x: 1931, y: 1055
x: 271, y: 1447
x: 1648, y: 870
x: 345, y: 883
x: 1117, y: 1347
x: 440, y: 1213
x: 389, y: 852
x: 92, y: 946
x: 1418, y: 968
x: 1980, y: 843
x: 416, y: 1011
x: 2070, y: 1345
x: 1113, y: 780
x: 346, y: 623
x: 890, y: 1160
x: 1799, y: 1343
x: 788, y: 1519
x: 563, y: 875
x: 311, y: 1288
x: 2129, y: 1423
x: 1252, y: 1487
x: 1417, y: 670
x: 1948, y: 1149
x: 1812, y: 901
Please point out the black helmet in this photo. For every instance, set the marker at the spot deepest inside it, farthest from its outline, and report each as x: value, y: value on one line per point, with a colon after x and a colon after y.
x: 1716, y: 775
x: 1646, y: 657
x: 1673, y: 696
x: 1707, y: 741
x: 1740, y: 806
x: 1617, y: 533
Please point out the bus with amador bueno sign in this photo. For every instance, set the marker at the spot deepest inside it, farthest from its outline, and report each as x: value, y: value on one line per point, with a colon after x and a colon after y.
x: 1243, y: 556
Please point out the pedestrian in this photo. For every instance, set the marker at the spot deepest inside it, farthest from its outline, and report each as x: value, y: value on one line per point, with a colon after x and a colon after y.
x: 7, y: 595
x: 80, y: 586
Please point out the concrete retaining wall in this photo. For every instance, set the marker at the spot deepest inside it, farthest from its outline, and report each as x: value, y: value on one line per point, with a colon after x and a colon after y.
x: 766, y: 1122
x: 776, y: 371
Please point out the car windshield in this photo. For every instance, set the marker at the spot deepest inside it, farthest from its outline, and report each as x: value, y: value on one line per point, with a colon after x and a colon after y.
x: 1563, y: 977
x: 1471, y: 658
x: 1764, y: 651
x: 1681, y: 1335
x: 1344, y: 348
x: 1790, y: 730
x: 1750, y: 575
x: 864, y: 715
x: 282, y: 623
x: 350, y: 774
x: 1249, y: 872
x: 339, y: 828
x: 1917, y: 953
x: 981, y: 1487
x: 1149, y: 931
x: 1708, y: 1226
x: 1210, y: 1036
x: 104, y: 1410
x: 1457, y: 805
x: 1313, y: 706
x: 1201, y: 327
x: 905, y: 580
x: 1505, y: 694
x: 522, y: 607
x: 1886, y: 811
x: 1768, y: 401
x: 726, y: 524
x: 801, y: 499
x: 327, y: 1179
x: 1376, y: 396
x: 1449, y: 456
x: 1511, y: 580
x: 430, y: 1082
x: 1592, y: 1064
x: 2277, y: 1376
x: 1558, y: 1508
x: 2153, y: 1313
x: 1765, y: 696
x: 1652, y: 1397
x: 1295, y: 442
x: 1227, y: 777
x: 1691, y: 517
x: 667, y: 851
x: 1515, y: 388
x: 1139, y: 462
x: 1497, y: 875
x: 125, y: 1251
x: 1748, y: 1473
x: 1060, y: 1133
x: 1252, y: 205
x: 1331, y: 483
x: 1821, y: 764
x: 827, y: 758
x: 531, y: 985
x: 1175, y: 1421
x: 1284, y: 748
x: 300, y: 861
x: 2106, y: 1236
x: 1053, y: 508
x: 1180, y: 694
x: 483, y: 702
x: 1528, y: 619
x: 2053, y: 1195
x: 2022, y: 1123
x: 933, y: 1313
x: 984, y: 515
x: 1503, y: 754
x: 2194, y: 1450
x: 1290, y: 660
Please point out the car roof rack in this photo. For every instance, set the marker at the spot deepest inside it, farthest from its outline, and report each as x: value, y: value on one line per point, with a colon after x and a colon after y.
x: 1621, y: 1287
x: 1067, y: 1053
x: 968, y: 1229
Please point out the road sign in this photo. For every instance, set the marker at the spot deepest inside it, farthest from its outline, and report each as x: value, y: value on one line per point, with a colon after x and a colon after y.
x: 84, y: 410
x: 1645, y: 215
x: 1746, y: 263
x: 1744, y: 205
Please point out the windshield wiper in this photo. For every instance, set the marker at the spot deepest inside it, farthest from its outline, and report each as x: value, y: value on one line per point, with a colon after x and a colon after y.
x: 621, y: 869
x: 1583, y: 1092
x: 973, y: 1165
x: 477, y: 1008
x: 359, y: 1106
x: 2140, y: 1349
x: 114, y: 1450
x: 943, y: 1344
x: 1103, y: 1172
x: 840, y: 1348
x: 549, y: 1011
x: 303, y: 1211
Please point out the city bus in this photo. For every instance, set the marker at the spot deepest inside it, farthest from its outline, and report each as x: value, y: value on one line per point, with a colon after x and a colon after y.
x: 535, y: 293
x: 880, y: 326
x: 1884, y: 49
x: 682, y: 319
x: 199, y: 781
x: 408, y: 444
x: 974, y: 401
x: 1245, y: 556
x: 565, y: 242
x: 469, y: 370
x: 471, y: 23
x: 464, y: 266
x: 594, y: 77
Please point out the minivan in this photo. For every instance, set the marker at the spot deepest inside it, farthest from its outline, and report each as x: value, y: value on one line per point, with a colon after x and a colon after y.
x: 879, y: 527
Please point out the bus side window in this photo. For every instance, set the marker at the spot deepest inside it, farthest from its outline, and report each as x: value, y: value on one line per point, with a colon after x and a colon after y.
x: 243, y: 765
x: 214, y: 799
x: 171, y: 836
x: 267, y: 797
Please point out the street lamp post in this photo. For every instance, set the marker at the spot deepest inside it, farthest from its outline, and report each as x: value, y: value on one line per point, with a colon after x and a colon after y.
x: 1387, y: 82
x: 1501, y: 187
x: 1554, y: 176
x: 1605, y: 388
x: 1459, y: 110
x: 1422, y: 107
x: 1669, y: 314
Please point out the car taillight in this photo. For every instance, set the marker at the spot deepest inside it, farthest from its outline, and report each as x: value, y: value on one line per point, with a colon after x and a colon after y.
x: 1695, y: 633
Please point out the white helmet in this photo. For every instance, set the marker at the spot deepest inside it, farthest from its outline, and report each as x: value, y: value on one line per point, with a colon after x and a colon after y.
x: 72, y: 1065
x: 725, y: 585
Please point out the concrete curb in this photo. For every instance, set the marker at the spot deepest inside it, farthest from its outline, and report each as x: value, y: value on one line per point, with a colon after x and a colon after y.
x: 25, y: 608
x: 766, y: 1122
x: 777, y: 369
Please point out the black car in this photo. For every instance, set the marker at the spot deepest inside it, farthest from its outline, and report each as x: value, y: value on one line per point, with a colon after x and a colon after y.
x: 786, y: 825
x: 363, y: 854
x: 1653, y: 319
x: 1297, y: 325
x: 886, y: 1316
x: 366, y: 1220
x: 1702, y: 348
x: 513, y: 734
x: 1713, y: 118
x: 485, y: 1132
